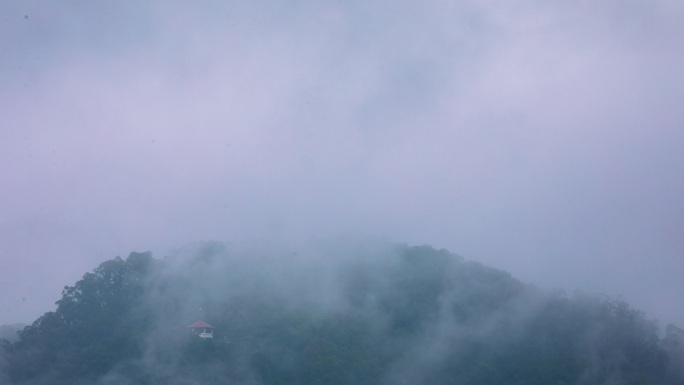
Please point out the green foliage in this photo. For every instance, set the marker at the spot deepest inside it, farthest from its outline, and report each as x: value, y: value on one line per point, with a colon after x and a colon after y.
x: 90, y: 331
x: 417, y: 316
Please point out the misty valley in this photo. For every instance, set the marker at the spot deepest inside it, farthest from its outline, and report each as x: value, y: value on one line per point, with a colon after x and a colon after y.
x: 332, y: 314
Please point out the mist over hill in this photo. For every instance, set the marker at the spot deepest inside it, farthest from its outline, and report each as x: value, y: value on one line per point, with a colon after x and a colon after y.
x: 353, y: 313
x: 9, y: 332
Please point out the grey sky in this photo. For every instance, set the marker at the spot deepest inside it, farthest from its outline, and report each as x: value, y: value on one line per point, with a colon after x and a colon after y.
x: 541, y: 138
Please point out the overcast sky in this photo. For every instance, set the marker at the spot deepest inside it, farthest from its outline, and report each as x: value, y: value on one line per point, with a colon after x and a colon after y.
x: 544, y: 138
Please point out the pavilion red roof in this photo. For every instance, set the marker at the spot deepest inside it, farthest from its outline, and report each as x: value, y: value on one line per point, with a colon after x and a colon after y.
x: 200, y: 324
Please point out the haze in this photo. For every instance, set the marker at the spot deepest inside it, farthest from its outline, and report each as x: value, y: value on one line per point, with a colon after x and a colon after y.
x: 541, y: 138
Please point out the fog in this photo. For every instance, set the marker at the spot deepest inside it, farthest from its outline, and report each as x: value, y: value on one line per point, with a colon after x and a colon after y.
x: 332, y: 312
x: 540, y: 138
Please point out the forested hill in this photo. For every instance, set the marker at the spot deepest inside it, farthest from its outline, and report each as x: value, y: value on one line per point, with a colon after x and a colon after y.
x: 366, y: 315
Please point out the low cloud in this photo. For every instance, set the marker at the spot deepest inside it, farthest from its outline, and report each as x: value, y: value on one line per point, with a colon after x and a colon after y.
x: 539, y: 138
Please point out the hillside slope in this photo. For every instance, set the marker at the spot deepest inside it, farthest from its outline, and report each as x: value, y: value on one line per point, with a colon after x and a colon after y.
x: 389, y: 314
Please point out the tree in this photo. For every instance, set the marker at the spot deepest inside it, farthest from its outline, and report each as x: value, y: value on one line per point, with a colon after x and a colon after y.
x: 90, y: 331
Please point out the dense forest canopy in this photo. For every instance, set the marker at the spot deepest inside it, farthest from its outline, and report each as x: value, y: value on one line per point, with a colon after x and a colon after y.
x: 380, y: 314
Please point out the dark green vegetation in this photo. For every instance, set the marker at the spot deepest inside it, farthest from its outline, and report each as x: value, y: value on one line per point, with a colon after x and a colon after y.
x: 392, y: 315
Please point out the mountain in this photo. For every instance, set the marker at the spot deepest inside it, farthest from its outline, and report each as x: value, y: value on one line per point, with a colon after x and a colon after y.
x: 341, y: 314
